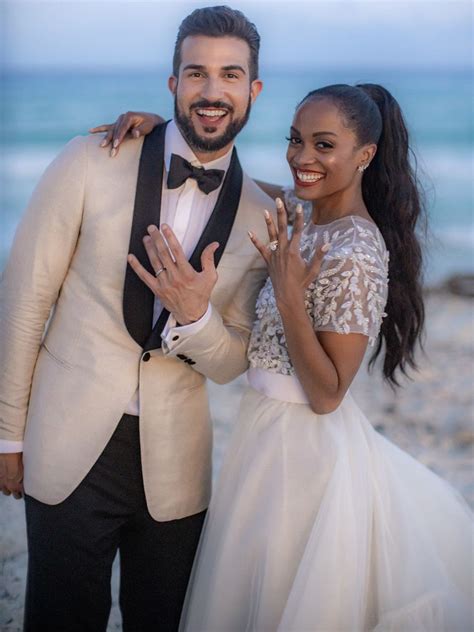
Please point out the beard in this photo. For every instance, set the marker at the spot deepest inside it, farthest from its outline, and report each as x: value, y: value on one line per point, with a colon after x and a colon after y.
x: 195, y: 141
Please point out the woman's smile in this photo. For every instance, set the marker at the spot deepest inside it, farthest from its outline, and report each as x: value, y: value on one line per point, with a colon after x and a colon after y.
x: 306, y: 177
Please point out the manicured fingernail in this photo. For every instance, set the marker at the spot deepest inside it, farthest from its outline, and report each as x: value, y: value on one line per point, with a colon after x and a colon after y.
x: 267, y: 214
x: 136, y: 133
x: 116, y: 143
x: 250, y: 234
x: 326, y: 247
x: 103, y: 143
x: 299, y: 209
x: 151, y: 229
x: 278, y: 202
x: 113, y: 153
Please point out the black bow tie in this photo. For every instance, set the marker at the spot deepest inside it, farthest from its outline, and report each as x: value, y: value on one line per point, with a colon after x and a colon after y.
x: 180, y: 170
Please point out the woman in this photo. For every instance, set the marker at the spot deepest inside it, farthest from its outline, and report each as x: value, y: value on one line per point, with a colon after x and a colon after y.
x: 318, y: 522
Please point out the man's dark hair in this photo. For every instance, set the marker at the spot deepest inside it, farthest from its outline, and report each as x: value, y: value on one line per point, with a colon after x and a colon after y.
x: 219, y: 21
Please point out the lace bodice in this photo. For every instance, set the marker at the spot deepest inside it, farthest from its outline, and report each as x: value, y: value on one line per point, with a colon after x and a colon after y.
x: 348, y: 296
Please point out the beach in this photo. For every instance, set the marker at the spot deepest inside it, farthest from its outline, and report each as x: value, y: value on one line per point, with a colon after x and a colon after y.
x: 69, y: 66
x: 431, y: 418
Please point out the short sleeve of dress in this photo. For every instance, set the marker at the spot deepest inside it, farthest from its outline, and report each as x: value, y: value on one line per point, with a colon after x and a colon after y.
x: 350, y: 293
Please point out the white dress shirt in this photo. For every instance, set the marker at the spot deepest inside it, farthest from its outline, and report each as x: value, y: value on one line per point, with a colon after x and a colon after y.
x: 186, y: 210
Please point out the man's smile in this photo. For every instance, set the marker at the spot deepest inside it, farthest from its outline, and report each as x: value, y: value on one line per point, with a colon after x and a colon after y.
x: 211, y: 116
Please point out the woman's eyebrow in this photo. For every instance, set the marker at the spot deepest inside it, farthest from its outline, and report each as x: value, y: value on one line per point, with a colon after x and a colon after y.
x: 293, y: 129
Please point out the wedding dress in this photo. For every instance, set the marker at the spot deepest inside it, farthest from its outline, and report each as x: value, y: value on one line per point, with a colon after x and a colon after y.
x: 318, y: 522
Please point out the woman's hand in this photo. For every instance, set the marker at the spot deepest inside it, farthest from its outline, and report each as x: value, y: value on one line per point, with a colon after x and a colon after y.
x: 289, y: 272
x: 133, y: 124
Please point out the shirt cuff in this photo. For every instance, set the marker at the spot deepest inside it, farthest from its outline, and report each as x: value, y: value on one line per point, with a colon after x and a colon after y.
x: 9, y: 447
x: 171, y: 330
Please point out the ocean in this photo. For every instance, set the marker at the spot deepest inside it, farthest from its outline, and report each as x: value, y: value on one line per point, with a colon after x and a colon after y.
x: 43, y: 110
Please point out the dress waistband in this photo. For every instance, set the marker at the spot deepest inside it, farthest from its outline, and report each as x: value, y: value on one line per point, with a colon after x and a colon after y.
x: 286, y: 388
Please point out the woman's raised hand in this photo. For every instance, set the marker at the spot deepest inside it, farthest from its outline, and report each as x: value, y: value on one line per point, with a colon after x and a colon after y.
x: 289, y: 272
x: 133, y: 124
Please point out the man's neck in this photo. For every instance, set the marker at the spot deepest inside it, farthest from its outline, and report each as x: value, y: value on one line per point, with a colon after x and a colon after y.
x: 209, y: 156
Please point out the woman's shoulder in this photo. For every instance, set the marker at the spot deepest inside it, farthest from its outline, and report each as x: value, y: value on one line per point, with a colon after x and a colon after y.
x: 354, y: 235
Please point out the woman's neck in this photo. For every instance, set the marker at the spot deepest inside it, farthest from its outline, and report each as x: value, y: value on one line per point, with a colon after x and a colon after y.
x: 326, y: 210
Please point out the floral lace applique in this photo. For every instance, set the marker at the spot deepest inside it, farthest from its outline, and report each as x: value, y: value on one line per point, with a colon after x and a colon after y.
x: 348, y: 296
x: 291, y: 202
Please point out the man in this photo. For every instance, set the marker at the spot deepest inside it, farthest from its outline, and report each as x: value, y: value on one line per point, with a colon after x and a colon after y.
x: 110, y: 401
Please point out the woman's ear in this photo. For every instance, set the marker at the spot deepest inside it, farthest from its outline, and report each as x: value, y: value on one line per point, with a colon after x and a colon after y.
x: 367, y: 153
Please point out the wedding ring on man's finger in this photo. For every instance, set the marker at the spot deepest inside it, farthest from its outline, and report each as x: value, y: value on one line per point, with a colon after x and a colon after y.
x: 158, y: 272
x: 273, y: 245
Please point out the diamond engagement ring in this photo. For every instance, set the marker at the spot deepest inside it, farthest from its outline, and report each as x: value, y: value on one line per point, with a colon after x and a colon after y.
x: 273, y: 245
x: 158, y: 272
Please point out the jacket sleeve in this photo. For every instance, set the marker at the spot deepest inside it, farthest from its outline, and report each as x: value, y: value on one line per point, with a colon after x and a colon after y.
x: 219, y: 349
x: 39, y: 260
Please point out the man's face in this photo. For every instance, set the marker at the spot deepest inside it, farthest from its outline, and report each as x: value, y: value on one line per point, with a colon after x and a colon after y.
x: 213, y: 93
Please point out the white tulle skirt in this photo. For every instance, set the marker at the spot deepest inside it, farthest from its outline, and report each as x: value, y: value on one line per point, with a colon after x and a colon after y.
x: 319, y: 523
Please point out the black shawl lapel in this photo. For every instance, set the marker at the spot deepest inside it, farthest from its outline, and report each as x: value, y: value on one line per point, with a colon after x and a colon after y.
x: 217, y: 229
x: 138, y: 300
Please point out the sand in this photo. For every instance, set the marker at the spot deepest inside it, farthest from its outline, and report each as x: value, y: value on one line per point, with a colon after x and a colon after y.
x: 431, y: 418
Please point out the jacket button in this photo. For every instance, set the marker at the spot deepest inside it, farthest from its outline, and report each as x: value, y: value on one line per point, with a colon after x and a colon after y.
x: 175, y: 338
x: 146, y: 356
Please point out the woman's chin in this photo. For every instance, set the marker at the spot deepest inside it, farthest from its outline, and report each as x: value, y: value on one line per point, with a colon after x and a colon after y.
x: 305, y: 193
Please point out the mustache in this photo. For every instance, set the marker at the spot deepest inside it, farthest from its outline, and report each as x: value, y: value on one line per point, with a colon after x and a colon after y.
x: 218, y: 105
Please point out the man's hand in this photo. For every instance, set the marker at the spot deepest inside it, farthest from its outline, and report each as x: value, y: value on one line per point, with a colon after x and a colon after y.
x: 184, y: 292
x: 11, y: 474
x: 134, y: 124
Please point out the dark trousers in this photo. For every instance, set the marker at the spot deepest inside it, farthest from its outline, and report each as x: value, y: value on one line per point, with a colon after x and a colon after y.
x: 72, y: 546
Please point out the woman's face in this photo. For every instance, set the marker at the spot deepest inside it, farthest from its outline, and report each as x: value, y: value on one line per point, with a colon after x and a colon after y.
x: 323, y: 153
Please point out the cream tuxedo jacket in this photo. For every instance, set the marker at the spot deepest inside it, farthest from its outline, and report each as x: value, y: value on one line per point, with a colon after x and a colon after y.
x: 69, y: 365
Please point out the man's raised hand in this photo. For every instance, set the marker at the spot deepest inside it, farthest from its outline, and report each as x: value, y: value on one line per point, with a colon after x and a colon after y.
x: 184, y: 292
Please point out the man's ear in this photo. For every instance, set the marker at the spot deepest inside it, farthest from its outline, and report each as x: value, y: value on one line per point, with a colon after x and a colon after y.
x: 255, y: 89
x: 172, y: 84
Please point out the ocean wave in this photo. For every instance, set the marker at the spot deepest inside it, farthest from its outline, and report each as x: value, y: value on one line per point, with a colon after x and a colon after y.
x: 456, y: 236
x: 260, y: 157
x: 27, y: 162
x: 447, y: 163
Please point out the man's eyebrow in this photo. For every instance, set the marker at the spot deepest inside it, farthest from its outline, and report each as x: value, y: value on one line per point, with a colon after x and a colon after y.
x: 234, y: 67
x: 226, y: 68
x: 194, y: 67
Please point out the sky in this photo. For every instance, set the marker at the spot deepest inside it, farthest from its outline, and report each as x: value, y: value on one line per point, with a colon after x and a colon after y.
x: 111, y: 34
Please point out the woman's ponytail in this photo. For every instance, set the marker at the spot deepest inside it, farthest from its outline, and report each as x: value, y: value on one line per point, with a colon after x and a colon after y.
x: 394, y: 200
